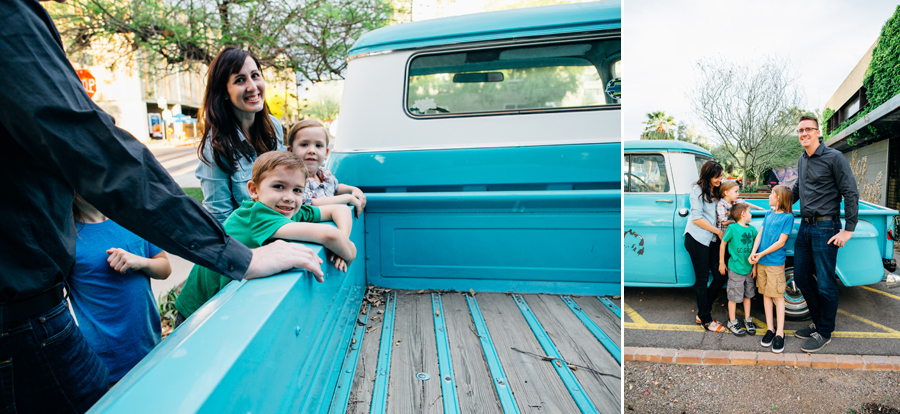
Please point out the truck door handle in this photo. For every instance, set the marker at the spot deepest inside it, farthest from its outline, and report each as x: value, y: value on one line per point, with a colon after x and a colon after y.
x: 683, y: 212
x: 664, y: 201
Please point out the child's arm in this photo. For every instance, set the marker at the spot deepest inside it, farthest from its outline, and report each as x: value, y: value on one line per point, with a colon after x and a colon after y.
x: 354, y: 191
x: 330, y: 237
x: 753, y: 257
x: 339, y: 199
x: 157, y: 267
x: 753, y: 206
x: 340, y: 215
x: 782, y: 239
x: 722, y: 257
x: 753, y: 272
x: 343, y: 219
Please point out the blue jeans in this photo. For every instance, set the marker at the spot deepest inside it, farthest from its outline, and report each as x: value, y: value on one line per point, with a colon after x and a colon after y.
x: 46, y: 366
x: 812, y: 253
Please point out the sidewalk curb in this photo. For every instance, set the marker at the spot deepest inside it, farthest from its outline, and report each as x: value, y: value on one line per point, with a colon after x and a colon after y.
x: 720, y: 357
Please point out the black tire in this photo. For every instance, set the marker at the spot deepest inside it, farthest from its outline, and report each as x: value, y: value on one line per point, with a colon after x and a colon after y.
x: 795, y: 308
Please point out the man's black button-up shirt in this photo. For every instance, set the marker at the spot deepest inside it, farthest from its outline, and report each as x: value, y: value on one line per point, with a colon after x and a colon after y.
x: 824, y: 178
x: 54, y: 141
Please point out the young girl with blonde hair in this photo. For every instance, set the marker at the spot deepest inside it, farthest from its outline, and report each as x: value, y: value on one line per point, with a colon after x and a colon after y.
x: 770, y: 280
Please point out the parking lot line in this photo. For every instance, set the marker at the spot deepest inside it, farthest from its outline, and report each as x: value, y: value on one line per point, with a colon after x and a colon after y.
x: 868, y: 322
x: 664, y: 327
x: 633, y: 315
x: 787, y: 332
x: 883, y: 293
x: 760, y: 324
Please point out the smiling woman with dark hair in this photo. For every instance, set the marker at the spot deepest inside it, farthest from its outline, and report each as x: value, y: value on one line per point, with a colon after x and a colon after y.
x: 702, y: 239
x: 237, y: 128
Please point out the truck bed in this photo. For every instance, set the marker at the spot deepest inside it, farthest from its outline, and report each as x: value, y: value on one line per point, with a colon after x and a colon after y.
x: 399, y: 341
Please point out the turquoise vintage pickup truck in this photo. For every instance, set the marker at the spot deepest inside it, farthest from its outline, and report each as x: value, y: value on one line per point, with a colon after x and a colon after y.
x: 488, y: 256
x: 657, y: 177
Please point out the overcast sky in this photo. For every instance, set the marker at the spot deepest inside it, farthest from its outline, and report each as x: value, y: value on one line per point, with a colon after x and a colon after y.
x: 663, y: 39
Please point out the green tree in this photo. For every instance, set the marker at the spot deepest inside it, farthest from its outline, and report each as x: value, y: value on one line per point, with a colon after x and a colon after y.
x: 310, y: 37
x: 659, y: 126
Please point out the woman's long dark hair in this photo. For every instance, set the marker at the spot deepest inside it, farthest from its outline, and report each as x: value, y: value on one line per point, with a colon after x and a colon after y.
x: 221, y: 126
x: 709, y: 171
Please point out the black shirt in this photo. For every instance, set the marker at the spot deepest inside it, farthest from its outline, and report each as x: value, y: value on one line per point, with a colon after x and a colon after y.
x: 54, y: 141
x: 824, y: 178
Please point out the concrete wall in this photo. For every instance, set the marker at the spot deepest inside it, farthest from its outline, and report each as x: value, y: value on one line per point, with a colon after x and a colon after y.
x: 869, y: 166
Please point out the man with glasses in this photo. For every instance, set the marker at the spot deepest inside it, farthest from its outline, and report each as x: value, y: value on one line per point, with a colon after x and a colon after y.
x: 824, y: 178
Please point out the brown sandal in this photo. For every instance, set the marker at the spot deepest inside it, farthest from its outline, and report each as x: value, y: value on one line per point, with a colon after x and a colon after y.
x: 714, y: 326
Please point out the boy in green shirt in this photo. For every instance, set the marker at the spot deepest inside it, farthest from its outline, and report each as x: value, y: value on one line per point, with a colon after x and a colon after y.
x: 738, y: 239
x: 275, y: 212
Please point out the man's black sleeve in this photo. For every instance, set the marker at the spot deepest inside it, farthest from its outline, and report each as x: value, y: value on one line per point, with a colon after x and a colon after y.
x: 846, y: 185
x: 47, y: 112
x: 795, y: 191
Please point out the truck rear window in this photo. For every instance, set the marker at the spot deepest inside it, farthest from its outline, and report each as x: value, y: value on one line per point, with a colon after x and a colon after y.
x: 541, y: 77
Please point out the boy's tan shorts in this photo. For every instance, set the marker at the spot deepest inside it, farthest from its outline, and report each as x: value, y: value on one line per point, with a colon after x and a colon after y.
x: 770, y: 280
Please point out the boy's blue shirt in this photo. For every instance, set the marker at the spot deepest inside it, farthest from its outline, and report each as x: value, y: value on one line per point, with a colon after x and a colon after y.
x: 252, y: 224
x: 773, y: 226
x: 116, y: 312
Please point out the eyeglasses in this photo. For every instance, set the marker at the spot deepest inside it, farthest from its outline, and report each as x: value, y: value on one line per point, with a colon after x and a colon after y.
x: 806, y: 130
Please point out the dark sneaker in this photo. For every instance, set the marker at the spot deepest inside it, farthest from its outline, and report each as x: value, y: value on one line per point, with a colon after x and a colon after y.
x: 736, y: 328
x: 805, y: 332
x: 778, y: 344
x: 814, y: 343
x: 750, y: 326
x: 767, y: 339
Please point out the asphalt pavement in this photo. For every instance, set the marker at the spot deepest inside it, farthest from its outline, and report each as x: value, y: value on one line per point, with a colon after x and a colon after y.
x: 179, y: 160
x: 868, y: 322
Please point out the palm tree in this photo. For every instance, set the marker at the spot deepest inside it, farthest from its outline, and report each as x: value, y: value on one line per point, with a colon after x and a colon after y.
x: 659, y: 126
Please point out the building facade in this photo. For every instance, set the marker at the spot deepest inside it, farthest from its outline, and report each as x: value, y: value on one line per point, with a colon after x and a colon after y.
x: 871, y: 143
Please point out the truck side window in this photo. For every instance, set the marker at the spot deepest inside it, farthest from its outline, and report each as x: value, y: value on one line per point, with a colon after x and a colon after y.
x: 647, y: 174
x: 547, y: 76
x: 700, y: 160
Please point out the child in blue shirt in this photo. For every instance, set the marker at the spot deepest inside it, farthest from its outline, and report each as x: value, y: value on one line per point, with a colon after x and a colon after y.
x: 773, y: 234
x: 110, y: 289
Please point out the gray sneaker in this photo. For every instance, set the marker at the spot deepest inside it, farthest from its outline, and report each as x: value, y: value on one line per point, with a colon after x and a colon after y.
x: 814, y: 343
x: 736, y: 328
x: 805, y: 332
x: 750, y: 326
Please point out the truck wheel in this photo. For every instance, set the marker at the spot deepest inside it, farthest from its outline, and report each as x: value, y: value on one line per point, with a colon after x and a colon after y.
x: 795, y: 308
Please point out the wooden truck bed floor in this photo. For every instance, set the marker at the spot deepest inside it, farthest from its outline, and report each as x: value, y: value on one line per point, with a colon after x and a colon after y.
x: 530, y: 380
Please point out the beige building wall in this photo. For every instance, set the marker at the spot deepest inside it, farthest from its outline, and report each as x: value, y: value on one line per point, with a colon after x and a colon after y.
x: 853, y: 82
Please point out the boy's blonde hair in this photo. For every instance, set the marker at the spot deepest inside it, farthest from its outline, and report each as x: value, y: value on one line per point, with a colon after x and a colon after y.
x: 737, y: 210
x: 306, y: 123
x: 274, y: 159
x: 785, y: 199
x: 725, y: 186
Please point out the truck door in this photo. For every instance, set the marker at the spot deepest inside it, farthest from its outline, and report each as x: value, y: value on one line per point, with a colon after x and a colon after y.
x: 649, y: 215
